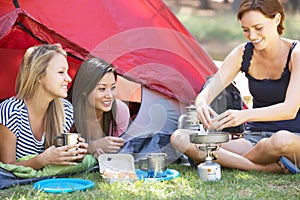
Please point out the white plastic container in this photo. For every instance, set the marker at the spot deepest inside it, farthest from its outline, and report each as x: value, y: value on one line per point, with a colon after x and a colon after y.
x: 120, y: 167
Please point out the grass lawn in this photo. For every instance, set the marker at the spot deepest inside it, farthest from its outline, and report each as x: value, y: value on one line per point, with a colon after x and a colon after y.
x: 234, y: 184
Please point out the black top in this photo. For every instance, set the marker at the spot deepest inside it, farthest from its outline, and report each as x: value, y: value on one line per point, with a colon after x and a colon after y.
x: 267, y: 92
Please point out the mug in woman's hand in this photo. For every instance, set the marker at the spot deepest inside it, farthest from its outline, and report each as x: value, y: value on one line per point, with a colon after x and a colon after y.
x: 66, y: 139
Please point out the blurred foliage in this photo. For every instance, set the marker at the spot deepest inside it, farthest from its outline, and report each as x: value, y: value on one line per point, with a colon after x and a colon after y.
x: 218, y: 30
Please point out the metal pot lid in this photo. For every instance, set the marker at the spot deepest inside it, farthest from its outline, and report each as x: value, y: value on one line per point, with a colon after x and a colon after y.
x: 191, y: 107
x: 210, y: 138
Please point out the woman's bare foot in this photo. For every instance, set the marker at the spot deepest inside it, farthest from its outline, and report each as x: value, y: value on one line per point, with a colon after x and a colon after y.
x: 283, y: 169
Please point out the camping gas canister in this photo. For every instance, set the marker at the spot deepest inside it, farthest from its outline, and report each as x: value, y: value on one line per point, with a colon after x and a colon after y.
x: 209, y: 170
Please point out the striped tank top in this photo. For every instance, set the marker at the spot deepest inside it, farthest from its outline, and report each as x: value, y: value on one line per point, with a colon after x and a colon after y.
x: 14, y: 115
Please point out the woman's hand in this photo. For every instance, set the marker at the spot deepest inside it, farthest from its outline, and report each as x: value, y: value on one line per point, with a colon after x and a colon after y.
x: 229, y: 118
x: 65, y: 155
x: 108, y: 144
x: 205, y: 114
x: 83, y: 148
x: 98, y: 152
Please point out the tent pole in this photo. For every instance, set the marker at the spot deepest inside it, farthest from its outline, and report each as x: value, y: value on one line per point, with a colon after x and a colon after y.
x: 16, y: 3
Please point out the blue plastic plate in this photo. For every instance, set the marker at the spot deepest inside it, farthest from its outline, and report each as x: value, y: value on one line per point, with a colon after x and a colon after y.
x: 170, y: 174
x: 61, y: 185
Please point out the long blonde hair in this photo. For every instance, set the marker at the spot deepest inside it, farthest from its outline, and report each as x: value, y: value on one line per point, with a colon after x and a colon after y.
x: 32, y: 69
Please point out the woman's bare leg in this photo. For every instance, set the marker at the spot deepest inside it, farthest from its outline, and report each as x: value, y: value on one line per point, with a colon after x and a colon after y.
x: 238, y: 146
x: 181, y: 141
x: 269, y: 150
x: 232, y: 160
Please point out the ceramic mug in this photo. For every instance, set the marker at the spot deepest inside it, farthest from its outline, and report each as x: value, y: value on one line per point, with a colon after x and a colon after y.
x: 156, y: 165
x: 66, y: 139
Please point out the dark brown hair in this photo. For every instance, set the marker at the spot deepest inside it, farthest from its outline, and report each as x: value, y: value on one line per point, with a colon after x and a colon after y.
x: 86, y: 79
x: 268, y: 8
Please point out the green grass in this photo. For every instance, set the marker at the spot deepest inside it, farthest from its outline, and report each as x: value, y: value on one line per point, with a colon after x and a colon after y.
x: 218, y: 27
x: 234, y: 184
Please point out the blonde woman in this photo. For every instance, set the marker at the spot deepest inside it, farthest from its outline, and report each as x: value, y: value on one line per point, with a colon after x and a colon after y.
x: 30, y: 120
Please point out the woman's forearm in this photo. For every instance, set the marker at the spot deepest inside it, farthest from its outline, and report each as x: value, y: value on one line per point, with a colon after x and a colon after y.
x: 275, y: 112
x: 37, y: 162
x: 93, y: 147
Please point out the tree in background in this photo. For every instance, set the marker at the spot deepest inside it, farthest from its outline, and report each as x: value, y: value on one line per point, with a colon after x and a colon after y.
x: 205, y: 4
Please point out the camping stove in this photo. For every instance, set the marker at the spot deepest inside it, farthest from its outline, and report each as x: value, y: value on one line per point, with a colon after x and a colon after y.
x: 209, y: 170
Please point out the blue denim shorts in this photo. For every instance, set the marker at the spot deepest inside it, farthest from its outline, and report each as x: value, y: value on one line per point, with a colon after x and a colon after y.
x: 255, y: 137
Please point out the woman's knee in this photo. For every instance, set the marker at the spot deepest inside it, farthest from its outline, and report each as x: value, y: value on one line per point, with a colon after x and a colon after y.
x: 175, y: 138
x: 281, y: 141
x: 179, y: 138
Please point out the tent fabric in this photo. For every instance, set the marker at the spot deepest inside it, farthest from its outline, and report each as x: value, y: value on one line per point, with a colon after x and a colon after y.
x: 137, y: 36
x: 142, y: 145
x: 157, y: 113
x: 151, y: 129
x: 149, y: 46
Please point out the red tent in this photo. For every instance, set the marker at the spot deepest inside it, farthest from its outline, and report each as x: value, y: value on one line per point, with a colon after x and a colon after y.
x: 146, y: 42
